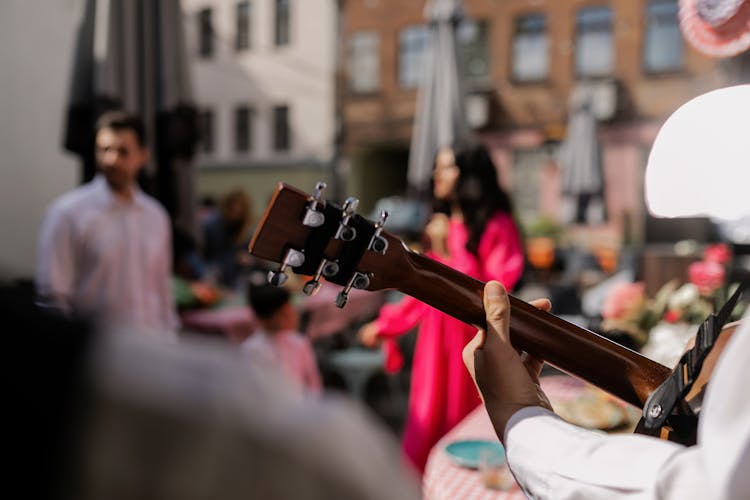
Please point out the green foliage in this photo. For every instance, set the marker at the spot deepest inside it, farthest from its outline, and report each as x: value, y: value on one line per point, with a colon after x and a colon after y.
x: 544, y: 226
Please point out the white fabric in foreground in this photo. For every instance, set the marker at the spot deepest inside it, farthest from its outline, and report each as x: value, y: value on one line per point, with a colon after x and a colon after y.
x: 700, y: 161
x: 553, y: 459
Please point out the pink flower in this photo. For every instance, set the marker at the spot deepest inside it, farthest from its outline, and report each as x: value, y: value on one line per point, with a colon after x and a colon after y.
x: 719, y: 252
x: 706, y: 275
x: 624, y: 299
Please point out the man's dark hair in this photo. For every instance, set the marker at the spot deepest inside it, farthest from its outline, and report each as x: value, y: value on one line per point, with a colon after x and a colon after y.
x: 266, y: 299
x: 123, y: 120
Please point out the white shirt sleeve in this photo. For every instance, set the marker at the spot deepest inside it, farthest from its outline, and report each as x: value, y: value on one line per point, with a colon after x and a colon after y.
x: 553, y: 459
x: 56, y: 260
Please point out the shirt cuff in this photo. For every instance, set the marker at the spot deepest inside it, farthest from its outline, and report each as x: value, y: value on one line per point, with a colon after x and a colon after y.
x: 523, y: 413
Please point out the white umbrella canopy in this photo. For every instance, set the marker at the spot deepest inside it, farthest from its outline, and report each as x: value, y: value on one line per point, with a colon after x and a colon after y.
x: 440, y: 116
x: 580, y: 163
x: 131, y: 54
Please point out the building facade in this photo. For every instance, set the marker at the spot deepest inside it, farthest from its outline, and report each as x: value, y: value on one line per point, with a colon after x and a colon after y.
x: 523, y: 62
x: 264, y: 73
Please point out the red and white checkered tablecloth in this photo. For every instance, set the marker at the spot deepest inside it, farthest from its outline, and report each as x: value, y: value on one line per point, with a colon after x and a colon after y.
x: 444, y: 480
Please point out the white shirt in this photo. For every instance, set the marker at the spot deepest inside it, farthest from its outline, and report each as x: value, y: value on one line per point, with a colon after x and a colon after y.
x: 553, y: 459
x: 103, y: 256
x: 289, y: 351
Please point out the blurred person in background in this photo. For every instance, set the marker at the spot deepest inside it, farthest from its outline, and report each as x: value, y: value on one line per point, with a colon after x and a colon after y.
x: 472, y: 230
x: 105, y: 248
x: 226, y: 236
x: 188, y: 421
x: 278, y: 340
x: 704, y: 145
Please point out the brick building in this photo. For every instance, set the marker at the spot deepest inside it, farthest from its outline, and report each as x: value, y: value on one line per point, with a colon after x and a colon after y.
x: 523, y: 60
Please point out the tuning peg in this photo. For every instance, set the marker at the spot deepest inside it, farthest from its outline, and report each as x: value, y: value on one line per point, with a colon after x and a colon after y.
x: 359, y: 281
x: 311, y: 287
x: 378, y: 243
x: 314, y: 217
x: 346, y: 232
x: 277, y: 278
x: 292, y: 258
x: 326, y: 268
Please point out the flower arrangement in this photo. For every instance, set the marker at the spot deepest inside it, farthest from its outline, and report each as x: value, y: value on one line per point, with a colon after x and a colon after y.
x: 627, y: 309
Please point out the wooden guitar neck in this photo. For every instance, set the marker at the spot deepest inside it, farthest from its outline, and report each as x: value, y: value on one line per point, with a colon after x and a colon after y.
x: 288, y: 235
x: 575, y: 350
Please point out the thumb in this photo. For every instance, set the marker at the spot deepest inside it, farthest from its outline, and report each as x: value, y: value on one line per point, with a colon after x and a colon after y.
x: 497, y: 309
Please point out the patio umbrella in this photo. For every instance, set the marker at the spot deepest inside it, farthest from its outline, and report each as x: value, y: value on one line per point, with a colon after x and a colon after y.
x: 440, y: 118
x: 580, y: 162
x: 131, y: 54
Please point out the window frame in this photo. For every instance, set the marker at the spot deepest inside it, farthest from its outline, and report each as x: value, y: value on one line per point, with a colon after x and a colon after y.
x: 282, y: 130
x: 544, y: 31
x: 282, y: 22
x: 679, y: 66
x: 480, y: 45
x: 206, y: 33
x: 415, y: 70
x: 243, y: 31
x: 243, y: 142
x: 208, y: 131
x: 594, y: 28
x: 353, y: 65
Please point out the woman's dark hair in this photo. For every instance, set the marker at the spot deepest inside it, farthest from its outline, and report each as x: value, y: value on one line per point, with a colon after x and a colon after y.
x: 477, y: 191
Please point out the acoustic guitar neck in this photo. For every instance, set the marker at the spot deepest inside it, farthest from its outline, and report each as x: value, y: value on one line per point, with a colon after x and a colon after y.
x: 321, y: 240
x: 570, y: 348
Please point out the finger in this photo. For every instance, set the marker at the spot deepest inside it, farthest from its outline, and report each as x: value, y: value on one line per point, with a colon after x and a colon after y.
x: 533, y: 366
x: 543, y: 304
x: 497, y: 309
x: 469, y: 349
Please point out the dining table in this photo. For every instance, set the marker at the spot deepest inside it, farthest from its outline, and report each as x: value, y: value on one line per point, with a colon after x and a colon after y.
x: 445, y: 479
x: 232, y: 319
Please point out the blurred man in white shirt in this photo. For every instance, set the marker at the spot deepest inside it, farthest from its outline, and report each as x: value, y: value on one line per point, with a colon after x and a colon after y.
x: 105, y: 247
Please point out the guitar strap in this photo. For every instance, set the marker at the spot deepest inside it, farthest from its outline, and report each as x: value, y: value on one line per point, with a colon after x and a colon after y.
x: 667, y: 401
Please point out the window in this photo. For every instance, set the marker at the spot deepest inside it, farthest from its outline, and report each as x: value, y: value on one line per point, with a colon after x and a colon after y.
x: 364, y: 62
x: 530, y: 48
x: 205, y: 33
x: 473, y: 48
x: 243, y: 26
x: 594, y: 54
x: 281, y: 132
x: 281, y: 22
x: 412, y: 43
x: 207, y: 130
x: 663, y: 46
x: 243, y: 129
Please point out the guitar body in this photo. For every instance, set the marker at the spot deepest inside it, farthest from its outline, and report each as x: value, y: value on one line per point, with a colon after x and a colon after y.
x: 315, y: 238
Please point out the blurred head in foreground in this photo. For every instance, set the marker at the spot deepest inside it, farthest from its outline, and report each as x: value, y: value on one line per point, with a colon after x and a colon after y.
x: 700, y: 161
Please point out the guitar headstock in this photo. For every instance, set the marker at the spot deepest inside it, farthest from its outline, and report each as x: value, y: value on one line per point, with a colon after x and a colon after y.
x: 317, y: 238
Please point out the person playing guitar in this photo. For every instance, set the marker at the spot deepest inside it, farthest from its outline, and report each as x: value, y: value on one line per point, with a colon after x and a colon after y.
x: 551, y: 458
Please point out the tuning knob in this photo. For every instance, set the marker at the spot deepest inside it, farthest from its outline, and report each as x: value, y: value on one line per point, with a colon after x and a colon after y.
x: 314, y: 217
x: 359, y: 281
x: 346, y: 232
x: 377, y: 242
x: 277, y: 278
x: 292, y: 258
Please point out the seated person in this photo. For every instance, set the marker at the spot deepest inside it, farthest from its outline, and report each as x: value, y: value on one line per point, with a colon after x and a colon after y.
x: 278, y: 339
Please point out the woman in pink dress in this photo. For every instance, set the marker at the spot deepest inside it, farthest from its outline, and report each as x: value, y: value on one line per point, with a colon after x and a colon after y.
x: 472, y: 230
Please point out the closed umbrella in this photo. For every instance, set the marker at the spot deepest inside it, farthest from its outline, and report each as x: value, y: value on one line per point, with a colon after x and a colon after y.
x: 580, y: 162
x: 440, y: 118
x: 132, y: 54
